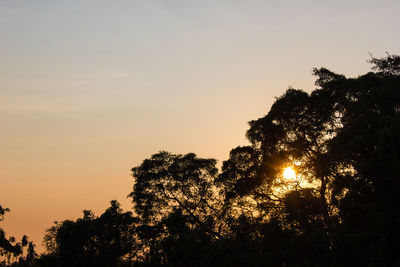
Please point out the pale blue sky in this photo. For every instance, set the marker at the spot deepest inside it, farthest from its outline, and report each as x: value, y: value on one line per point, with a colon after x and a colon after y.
x: 88, y: 89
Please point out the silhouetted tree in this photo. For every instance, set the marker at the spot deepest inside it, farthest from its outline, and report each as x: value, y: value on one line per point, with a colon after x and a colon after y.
x: 106, y: 240
x: 176, y: 188
x: 343, y: 141
x: 167, y: 181
x: 11, y: 252
x: 365, y: 155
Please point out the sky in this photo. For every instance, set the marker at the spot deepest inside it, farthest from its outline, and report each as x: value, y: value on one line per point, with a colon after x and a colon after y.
x: 89, y: 89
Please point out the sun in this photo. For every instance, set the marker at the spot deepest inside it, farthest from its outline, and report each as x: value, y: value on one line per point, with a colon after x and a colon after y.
x: 289, y: 174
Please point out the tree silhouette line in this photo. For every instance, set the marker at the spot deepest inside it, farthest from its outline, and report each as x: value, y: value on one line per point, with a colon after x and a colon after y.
x: 343, y: 142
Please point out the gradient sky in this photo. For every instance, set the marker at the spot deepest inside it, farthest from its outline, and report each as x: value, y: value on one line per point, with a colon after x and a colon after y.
x: 88, y: 89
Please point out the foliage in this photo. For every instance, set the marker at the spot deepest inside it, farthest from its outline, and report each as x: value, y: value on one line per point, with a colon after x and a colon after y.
x: 342, y: 139
x: 92, y: 241
x: 12, y: 252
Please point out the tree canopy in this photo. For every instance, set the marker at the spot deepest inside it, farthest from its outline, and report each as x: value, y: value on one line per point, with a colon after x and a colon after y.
x: 342, y: 141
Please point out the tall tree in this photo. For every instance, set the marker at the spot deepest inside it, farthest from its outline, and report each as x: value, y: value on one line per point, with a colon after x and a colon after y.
x: 167, y: 181
x: 176, y: 188
x: 342, y: 139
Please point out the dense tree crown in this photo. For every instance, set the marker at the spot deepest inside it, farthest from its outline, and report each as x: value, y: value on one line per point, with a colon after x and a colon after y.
x: 341, y: 143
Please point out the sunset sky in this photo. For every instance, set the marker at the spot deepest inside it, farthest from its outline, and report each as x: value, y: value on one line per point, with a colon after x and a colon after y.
x: 88, y: 89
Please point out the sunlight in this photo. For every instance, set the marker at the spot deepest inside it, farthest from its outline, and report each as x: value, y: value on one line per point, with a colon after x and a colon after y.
x: 289, y: 174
